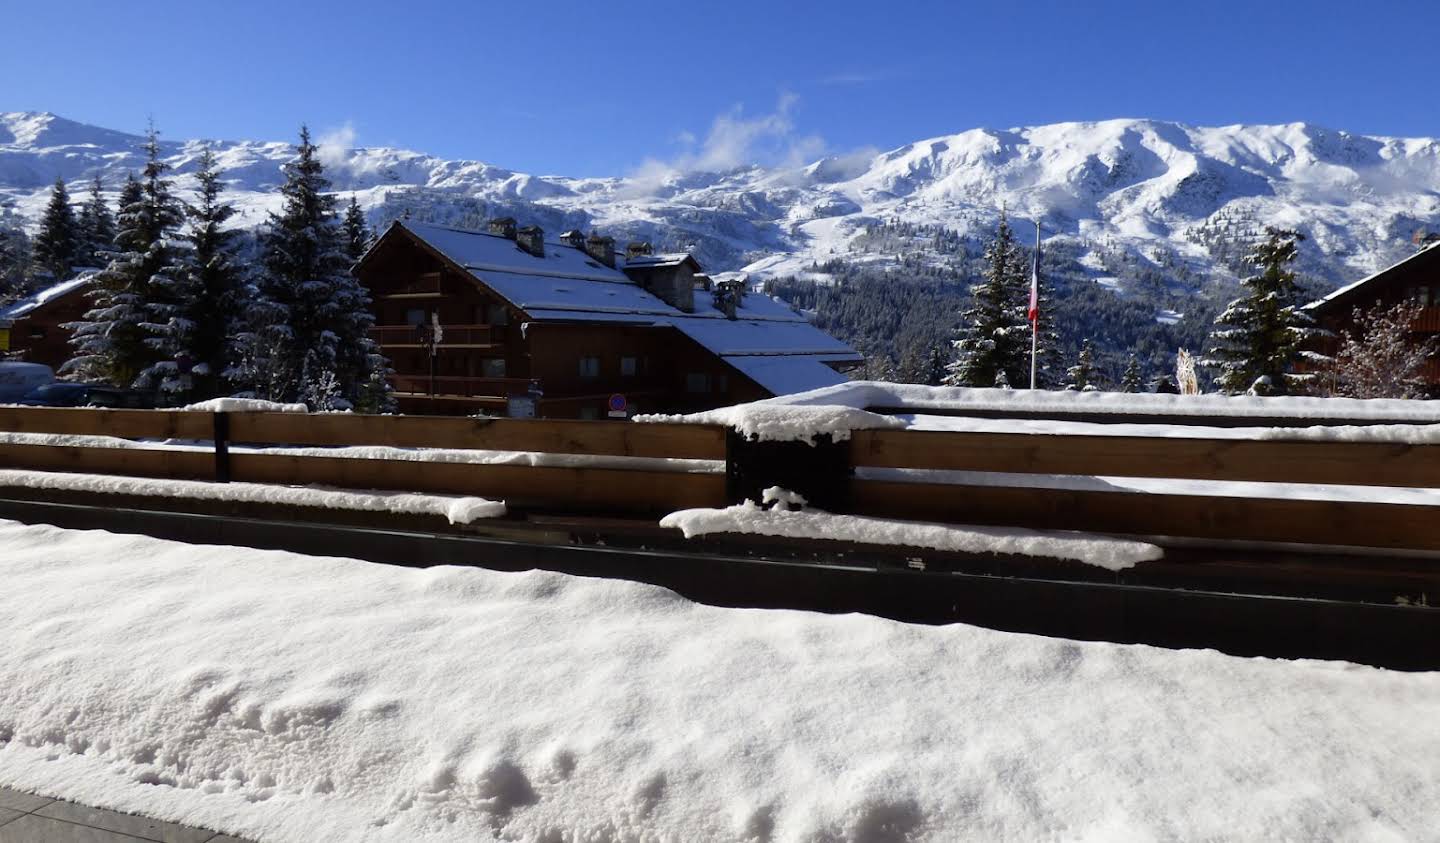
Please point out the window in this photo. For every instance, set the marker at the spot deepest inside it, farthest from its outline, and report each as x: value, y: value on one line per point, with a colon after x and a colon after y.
x: 589, y: 367
x: 1425, y: 296
x: 495, y: 367
x: 697, y: 382
x: 497, y: 314
x: 415, y: 316
x: 589, y: 413
x: 627, y: 367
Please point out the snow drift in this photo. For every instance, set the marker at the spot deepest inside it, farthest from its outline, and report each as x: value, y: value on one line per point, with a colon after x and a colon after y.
x: 285, y: 697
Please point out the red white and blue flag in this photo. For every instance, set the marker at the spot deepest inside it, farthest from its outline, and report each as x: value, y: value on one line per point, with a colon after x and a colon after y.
x: 1034, y: 313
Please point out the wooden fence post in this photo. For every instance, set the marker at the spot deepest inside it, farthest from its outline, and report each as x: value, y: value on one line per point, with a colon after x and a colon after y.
x: 222, y: 448
x: 820, y: 472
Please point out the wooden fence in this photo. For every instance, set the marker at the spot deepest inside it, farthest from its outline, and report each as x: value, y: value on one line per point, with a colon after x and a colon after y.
x: 853, y: 476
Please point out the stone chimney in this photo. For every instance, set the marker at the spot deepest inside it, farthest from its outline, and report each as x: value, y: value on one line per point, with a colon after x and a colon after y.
x: 638, y: 248
x: 574, y: 238
x: 502, y: 226
x: 532, y: 239
x: 727, y: 297
x: 601, y: 249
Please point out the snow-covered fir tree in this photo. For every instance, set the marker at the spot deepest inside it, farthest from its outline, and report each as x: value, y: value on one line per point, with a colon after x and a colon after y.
x: 1379, y: 357
x: 1258, y: 338
x: 993, y: 328
x: 357, y: 231
x: 312, y: 339
x: 14, y: 259
x: 204, y: 299
x: 96, y: 229
x: 1082, y: 374
x: 1132, y: 380
x: 57, y: 242
x: 136, y: 295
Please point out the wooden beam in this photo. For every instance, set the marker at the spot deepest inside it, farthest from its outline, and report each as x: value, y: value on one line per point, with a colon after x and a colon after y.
x: 1354, y: 463
x: 1376, y: 525
x: 599, y: 438
x: 126, y: 424
x: 607, y: 490
x: 195, y: 464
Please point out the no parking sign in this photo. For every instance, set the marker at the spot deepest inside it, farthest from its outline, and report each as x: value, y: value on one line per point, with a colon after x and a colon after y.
x: 618, y: 406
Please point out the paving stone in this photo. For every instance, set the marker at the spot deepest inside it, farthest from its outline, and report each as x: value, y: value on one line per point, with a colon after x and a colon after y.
x: 19, y: 800
x: 7, y: 814
x: 142, y: 827
x: 32, y: 828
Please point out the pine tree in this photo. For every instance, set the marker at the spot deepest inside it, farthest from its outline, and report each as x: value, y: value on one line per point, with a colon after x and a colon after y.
x: 1082, y: 374
x: 357, y: 232
x: 96, y: 228
x: 1132, y: 380
x: 312, y: 342
x: 993, y: 326
x: 122, y: 337
x: 57, y: 243
x: 1257, y: 339
x: 14, y: 262
x: 194, y: 338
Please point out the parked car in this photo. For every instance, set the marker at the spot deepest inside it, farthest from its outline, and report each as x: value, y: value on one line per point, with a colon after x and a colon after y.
x: 20, y: 379
x: 60, y: 394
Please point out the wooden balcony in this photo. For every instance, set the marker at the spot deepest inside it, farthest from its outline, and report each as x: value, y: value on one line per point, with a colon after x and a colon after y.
x: 451, y: 336
x: 459, y: 386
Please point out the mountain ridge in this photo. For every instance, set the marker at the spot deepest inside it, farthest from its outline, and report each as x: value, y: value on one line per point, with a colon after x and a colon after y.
x: 1165, y: 192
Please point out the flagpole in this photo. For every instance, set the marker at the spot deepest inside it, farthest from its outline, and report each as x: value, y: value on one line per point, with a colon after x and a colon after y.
x: 1035, y: 312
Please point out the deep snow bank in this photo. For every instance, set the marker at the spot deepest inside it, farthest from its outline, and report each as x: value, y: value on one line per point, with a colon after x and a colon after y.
x: 285, y: 697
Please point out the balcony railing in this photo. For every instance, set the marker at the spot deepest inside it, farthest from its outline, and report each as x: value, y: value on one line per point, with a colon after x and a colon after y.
x: 417, y: 336
x: 459, y: 386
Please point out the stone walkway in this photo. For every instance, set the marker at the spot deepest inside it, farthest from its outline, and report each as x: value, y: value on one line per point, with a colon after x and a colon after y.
x: 26, y: 818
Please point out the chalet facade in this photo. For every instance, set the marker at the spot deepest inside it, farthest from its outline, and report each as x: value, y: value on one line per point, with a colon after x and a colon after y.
x: 31, y: 329
x: 1414, y: 279
x: 507, y: 322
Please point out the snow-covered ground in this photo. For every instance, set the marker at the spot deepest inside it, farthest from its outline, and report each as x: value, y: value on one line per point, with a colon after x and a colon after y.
x: 293, y: 698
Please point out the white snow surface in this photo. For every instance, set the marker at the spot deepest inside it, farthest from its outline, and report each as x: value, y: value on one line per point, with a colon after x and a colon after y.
x: 771, y: 420
x: 750, y: 518
x: 458, y: 510
x: 288, y: 698
x: 863, y: 394
x: 245, y: 405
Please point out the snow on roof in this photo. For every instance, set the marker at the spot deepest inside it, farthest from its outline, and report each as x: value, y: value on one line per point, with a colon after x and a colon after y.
x: 480, y: 251
x: 786, y: 374
x: 533, y: 293
x: 1346, y: 290
x: 650, y: 261
x: 760, y: 337
x: 24, y: 306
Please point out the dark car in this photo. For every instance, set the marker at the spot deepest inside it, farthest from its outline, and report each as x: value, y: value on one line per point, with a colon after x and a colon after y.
x: 88, y: 395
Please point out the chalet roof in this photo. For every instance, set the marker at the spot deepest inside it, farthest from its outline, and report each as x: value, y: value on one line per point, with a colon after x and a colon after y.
x: 1426, y: 261
x: 568, y: 285
x: 23, y: 307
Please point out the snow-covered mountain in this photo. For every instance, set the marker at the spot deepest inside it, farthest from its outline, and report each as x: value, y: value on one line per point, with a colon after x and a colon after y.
x: 1153, y: 190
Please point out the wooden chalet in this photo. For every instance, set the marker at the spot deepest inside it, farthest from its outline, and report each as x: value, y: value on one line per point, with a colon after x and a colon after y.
x: 507, y: 322
x: 1414, y: 279
x: 31, y: 329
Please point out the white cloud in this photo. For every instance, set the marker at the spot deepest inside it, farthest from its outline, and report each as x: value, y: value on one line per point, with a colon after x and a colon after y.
x: 334, y: 145
x: 735, y: 140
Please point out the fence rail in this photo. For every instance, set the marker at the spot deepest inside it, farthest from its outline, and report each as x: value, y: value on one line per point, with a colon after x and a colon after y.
x: 857, y: 476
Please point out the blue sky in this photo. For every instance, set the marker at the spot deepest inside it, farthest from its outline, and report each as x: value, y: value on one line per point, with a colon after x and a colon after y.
x: 600, y: 88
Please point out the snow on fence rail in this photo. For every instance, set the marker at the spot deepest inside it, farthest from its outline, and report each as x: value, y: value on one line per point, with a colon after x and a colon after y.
x: 1040, y: 480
